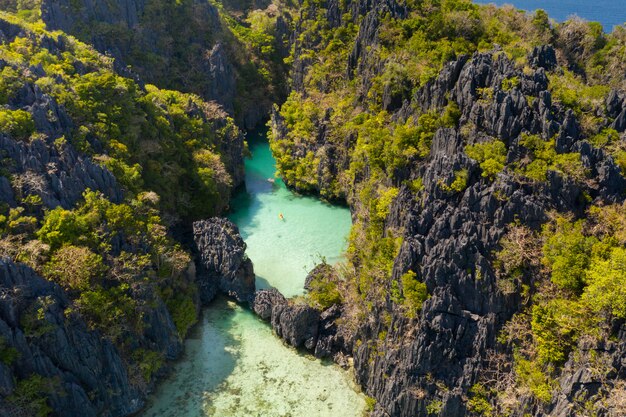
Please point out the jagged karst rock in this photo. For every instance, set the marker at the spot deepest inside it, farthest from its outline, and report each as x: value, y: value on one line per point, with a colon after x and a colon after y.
x: 333, y: 340
x: 449, y: 237
x: 264, y: 302
x: 303, y: 326
x: 160, y: 333
x: 223, y: 263
x: 90, y: 375
x: 543, y: 56
x: 296, y: 323
x: 59, y: 175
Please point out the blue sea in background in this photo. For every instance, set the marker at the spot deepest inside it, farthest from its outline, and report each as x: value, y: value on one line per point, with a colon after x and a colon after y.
x: 608, y: 12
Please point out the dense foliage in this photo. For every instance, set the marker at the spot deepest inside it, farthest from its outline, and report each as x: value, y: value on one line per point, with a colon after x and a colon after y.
x: 173, y: 157
x: 576, y: 292
x: 170, y: 43
x: 354, y: 129
x: 360, y: 106
x: 159, y: 140
x: 382, y: 148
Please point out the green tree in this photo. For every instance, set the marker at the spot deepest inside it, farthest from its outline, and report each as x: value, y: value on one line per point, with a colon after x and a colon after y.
x: 414, y: 293
x: 18, y: 123
x: 567, y: 251
x: 490, y: 155
x: 555, y: 325
x: 75, y: 267
x: 61, y: 226
x: 607, y: 284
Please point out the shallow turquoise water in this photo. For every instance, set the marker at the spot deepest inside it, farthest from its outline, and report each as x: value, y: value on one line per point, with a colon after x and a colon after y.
x: 234, y: 366
x: 283, y: 250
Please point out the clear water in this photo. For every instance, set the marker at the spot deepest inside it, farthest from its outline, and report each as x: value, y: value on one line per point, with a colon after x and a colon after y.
x: 234, y: 366
x: 608, y: 12
x: 284, y: 250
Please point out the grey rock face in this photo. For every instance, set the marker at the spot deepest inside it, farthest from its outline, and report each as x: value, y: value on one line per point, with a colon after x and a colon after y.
x: 222, y: 85
x: 544, y: 57
x: 616, y: 109
x: 160, y: 333
x: 333, y: 341
x: 56, y: 172
x: 223, y: 264
x: 296, y: 323
x: 449, y: 237
x: 305, y: 326
x: 89, y: 375
x: 264, y: 302
x: 59, y: 175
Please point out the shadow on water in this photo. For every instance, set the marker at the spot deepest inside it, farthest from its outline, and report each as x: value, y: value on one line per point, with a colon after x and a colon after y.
x: 262, y: 283
x: 211, y: 355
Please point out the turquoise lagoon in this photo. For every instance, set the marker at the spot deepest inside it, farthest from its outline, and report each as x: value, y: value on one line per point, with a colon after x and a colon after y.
x: 233, y: 364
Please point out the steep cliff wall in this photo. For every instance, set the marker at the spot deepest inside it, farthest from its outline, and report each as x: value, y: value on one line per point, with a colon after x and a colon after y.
x: 192, y: 46
x: 454, y: 162
x: 81, y: 373
x: 95, y: 296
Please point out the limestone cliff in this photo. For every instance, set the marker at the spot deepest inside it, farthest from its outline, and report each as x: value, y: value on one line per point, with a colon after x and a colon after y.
x: 449, y: 212
x: 187, y: 46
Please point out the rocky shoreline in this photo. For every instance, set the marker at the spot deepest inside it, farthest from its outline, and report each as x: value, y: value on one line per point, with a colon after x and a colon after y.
x: 224, y: 267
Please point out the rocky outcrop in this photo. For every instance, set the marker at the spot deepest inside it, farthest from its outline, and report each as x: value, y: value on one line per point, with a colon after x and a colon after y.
x: 84, y: 372
x: 449, y: 236
x: 264, y: 302
x: 298, y: 324
x: 334, y: 340
x: 543, y: 56
x: 57, y: 174
x: 222, y: 262
x: 301, y: 325
x: 53, y: 350
x: 616, y: 109
x: 321, y: 271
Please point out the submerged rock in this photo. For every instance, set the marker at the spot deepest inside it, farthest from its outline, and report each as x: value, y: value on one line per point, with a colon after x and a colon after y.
x: 223, y: 263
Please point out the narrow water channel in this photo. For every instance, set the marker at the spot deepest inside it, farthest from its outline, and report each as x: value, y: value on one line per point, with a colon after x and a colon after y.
x: 233, y: 364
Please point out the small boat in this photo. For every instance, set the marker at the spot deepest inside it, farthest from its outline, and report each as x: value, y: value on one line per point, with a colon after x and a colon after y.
x: 272, y: 180
x: 280, y: 216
